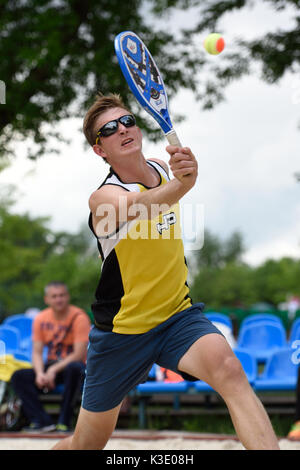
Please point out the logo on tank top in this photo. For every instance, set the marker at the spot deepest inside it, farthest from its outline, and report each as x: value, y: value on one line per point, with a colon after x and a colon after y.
x: 168, y: 220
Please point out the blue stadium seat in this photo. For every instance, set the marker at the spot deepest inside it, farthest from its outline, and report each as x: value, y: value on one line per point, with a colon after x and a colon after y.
x: 280, y: 371
x: 154, y: 386
x: 295, y: 331
x: 257, y: 317
x: 219, y: 318
x: 58, y: 389
x: 163, y: 387
x: 248, y: 363
x: 203, y: 387
x: 22, y: 356
x: 24, y: 325
x: 152, y: 373
x: 11, y: 338
x: 262, y: 338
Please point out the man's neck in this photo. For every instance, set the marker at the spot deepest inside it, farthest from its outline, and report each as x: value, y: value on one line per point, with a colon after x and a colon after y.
x: 60, y: 314
x: 137, y: 171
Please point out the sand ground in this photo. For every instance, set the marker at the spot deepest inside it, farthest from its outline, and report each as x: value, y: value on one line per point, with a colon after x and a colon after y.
x: 140, y: 441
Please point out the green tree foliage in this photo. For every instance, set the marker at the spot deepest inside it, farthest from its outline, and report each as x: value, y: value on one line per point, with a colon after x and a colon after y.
x: 229, y: 286
x: 216, y: 252
x: 276, y: 52
x: 222, y: 279
x: 276, y: 279
x: 33, y: 255
x: 56, y: 54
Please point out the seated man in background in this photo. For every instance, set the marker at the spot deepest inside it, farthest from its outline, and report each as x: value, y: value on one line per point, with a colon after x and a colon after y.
x: 64, y: 330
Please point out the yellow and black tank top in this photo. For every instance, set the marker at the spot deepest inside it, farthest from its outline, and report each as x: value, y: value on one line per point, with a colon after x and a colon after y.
x: 143, y: 278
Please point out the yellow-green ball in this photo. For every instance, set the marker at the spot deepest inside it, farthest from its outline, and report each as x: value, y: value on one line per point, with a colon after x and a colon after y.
x: 214, y: 43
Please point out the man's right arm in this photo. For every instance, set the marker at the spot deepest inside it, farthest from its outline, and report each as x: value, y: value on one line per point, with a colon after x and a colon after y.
x: 125, y: 206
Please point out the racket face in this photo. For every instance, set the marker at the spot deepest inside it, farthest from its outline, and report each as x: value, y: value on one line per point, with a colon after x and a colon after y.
x: 143, y: 77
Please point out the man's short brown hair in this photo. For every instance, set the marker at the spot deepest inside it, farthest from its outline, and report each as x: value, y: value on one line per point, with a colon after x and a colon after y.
x: 101, y: 104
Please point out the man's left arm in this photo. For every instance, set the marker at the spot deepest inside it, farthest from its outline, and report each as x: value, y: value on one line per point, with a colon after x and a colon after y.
x: 78, y: 354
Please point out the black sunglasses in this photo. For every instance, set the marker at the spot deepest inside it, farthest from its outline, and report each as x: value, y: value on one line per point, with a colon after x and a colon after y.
x: 112, y: 126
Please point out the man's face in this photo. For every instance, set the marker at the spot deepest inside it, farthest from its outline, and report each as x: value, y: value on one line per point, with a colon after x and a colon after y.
x: 57, y: 297
x: 125, y: 141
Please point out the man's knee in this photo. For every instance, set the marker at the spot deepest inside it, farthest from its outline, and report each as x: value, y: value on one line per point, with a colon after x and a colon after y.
x: 15, y: 378
x: 21, y: 376
x: 229, y: 374
x: 232, y: 368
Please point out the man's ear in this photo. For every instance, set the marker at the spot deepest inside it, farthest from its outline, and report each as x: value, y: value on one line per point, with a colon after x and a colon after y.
x: 99, y: 151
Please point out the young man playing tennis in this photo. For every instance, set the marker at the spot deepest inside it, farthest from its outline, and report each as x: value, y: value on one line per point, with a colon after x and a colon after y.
x: 143, y: 312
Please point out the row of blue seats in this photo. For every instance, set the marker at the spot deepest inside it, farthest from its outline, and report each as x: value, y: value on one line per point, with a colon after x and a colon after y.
x: 260, y: 342
x: 24, y: 323
x: 254, y: 319
x: 260, y: 339
x: 279, y: 374
x: 261, y: 333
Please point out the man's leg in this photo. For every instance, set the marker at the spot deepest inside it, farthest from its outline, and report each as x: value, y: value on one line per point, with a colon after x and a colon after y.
x: 212, y: 360
x: 72, y: 377
x: 92, y: 430
x: 23, y: 383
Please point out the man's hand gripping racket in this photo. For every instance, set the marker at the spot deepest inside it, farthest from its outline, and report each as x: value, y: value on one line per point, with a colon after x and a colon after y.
x: 146, y: 83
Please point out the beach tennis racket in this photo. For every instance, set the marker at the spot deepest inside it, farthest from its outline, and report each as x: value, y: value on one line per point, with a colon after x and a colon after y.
x: 145, y: 81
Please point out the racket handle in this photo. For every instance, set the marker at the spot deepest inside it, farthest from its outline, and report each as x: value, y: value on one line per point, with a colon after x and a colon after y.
x: 173, y: 138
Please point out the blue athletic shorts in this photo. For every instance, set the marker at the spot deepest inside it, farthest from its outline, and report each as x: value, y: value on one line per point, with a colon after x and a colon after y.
x: 116, y: 363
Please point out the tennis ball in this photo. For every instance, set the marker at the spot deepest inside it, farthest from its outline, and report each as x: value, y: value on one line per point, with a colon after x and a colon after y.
x: 214, y: 43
